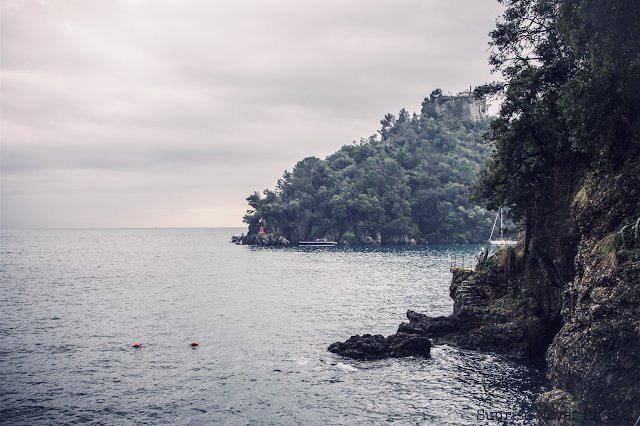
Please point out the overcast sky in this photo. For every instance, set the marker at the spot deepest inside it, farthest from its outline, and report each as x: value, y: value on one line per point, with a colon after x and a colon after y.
x: 167, y: 113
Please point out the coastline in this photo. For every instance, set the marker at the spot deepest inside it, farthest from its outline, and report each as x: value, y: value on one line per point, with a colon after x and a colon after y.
x: 572, y: 298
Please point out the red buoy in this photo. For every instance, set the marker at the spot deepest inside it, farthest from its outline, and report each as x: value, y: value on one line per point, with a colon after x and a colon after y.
x: 194, y: 344
x: 137, y: 345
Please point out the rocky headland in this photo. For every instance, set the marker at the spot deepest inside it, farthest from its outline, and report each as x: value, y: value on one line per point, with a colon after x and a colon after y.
x: 572, y: 296
x: 261, y: 239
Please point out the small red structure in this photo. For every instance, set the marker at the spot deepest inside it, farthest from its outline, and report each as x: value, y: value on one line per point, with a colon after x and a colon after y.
x: 261, y: 225
x: 194, y: 344
x: 137, y: 345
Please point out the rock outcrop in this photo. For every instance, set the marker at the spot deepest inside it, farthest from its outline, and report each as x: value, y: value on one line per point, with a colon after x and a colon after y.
x: 487, y: 316
x: 463, y: 106
x: 573, y: 297
x: 261, y: 239
x: 594, y: 359
x: 375, y: 347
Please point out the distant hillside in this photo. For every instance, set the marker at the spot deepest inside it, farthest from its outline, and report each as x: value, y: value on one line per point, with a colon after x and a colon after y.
x: 405, y: 184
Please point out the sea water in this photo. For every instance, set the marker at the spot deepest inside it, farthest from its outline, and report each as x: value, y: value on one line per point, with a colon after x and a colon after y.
x: 74, y: 302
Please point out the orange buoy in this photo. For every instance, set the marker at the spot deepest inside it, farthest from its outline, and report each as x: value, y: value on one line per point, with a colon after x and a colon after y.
x: 137, y: 345
x: 194, y: 344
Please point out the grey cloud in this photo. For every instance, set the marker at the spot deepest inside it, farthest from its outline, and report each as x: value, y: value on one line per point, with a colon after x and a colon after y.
x: 209, y: 98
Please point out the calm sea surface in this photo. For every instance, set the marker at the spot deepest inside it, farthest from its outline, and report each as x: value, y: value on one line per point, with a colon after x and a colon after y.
x: 73, y: 302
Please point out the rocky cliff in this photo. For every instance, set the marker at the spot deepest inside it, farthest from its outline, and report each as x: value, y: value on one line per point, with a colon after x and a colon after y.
x: 463, y: 106
x: 594, y: 359
x: 261, y: 239
x: 573, y: 297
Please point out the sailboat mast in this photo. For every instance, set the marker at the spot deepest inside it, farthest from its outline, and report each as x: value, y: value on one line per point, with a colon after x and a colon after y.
x: 501, y: 241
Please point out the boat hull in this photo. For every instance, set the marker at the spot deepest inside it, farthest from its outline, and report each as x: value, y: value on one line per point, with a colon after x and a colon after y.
x: 317, y: 243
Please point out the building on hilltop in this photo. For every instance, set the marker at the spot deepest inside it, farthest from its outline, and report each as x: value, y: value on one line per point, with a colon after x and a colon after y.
x: 463, y: 106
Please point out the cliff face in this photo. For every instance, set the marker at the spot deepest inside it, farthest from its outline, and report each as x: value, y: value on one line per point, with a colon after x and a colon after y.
x: 461, y: 107
x: 575, y: 296
x: 549, y: 265
x: 594, y: 360
x: 585, y: 280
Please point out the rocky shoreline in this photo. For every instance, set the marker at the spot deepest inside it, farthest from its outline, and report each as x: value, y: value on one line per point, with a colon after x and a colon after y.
x: 487, y: 316
x: 272, y: 238
x: 261, y: 239
x: 572, y: 296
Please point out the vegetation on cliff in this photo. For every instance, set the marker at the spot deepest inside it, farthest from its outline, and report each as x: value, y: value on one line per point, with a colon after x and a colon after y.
x: 407, y: 182
x: 570, y: 91
x: 566, y: 161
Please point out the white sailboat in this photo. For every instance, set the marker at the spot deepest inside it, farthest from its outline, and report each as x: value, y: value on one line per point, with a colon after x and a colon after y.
x: 501, y: 241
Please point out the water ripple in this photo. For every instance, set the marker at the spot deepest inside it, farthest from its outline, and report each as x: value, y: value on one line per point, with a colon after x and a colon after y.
x: 74, y: 302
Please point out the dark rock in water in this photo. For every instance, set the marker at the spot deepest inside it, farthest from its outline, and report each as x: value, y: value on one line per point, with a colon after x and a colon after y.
x: 375, y: 347
x: 261, y: 239
x: 516, y: 336
x: 487, y: 316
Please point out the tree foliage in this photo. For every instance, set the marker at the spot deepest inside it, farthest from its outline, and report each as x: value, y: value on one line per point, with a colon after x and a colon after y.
x: 570, y: 92
x: 408, y: 181
x: 601, y: 100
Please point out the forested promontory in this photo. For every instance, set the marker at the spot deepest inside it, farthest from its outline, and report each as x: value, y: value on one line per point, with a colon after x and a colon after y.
x: 407, y: 183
